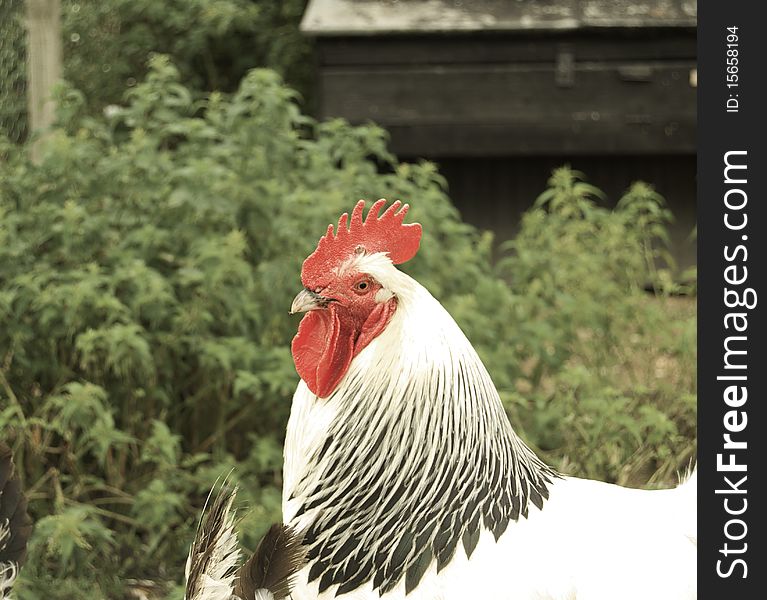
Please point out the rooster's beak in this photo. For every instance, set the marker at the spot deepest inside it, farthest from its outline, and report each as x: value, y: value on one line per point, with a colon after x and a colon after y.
x: 307, y: 300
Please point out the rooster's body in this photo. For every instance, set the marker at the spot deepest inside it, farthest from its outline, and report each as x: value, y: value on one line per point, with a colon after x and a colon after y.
x: 405, y: 476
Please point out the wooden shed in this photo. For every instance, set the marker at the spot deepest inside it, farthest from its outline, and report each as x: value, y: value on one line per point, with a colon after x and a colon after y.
x: 498, y: 92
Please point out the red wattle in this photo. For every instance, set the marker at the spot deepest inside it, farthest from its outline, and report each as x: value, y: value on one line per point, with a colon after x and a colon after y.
x: 310, y: 343
x: 326, y: 343
x: 336, y: 358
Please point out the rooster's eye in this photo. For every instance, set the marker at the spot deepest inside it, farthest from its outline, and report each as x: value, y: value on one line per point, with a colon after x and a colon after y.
x: 362, y: 287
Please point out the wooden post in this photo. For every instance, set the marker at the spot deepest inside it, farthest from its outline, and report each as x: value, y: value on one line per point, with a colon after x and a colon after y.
x: 44, y: 66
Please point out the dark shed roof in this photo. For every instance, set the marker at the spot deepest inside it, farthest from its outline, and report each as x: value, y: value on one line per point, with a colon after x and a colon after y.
x: 380, y: 17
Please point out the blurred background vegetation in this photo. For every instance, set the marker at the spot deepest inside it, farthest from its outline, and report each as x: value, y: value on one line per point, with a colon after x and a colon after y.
x: 148, y: 260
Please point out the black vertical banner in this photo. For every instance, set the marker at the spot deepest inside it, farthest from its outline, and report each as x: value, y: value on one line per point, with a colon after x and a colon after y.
x: 732, y: 300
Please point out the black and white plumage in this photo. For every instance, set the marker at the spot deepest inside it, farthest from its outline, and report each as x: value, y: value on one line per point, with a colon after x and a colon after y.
x: 405, y: 473
x: 214, y: 554
x: 435, y: 469
x: 213, y: 571
x: 15, y: 523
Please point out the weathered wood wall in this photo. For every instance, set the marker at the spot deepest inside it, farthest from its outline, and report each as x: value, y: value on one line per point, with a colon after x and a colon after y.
x: 492, y: 193
x: 495, y: 95
x: 499, y: 110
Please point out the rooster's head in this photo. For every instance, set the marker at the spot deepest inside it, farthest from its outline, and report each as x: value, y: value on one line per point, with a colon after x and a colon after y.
x: 350, y: 291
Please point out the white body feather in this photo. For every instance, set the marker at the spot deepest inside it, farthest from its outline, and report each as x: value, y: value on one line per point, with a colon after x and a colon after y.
x: 591, y: 540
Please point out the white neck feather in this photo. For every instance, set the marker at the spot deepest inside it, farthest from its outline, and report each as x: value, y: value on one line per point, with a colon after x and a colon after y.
x: 411, y: 454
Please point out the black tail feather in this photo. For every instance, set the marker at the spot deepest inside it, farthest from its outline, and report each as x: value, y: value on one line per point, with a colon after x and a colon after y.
x: 274, y: 565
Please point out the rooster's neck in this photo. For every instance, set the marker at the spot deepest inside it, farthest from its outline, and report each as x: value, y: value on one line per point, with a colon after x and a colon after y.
x: 416, y: 456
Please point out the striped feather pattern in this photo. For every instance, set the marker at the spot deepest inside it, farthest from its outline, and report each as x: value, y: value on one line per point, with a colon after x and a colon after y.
x: 214, y: 555
x: 419, y: 458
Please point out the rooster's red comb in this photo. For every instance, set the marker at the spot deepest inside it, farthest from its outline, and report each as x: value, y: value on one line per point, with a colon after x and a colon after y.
x: 377, y: 233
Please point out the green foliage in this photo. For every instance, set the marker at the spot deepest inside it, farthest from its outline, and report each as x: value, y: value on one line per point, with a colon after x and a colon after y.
x: 608, y: 369
x: 213, y: 42
x: 146, y: 268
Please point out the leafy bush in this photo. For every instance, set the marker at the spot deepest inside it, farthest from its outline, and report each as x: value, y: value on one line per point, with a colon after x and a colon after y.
x: 609, y: 369
x: 146, y: 268
x: 213, y: 43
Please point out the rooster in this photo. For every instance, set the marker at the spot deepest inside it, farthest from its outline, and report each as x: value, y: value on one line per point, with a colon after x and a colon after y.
x: 15, y: 523
x: 405, y: 475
